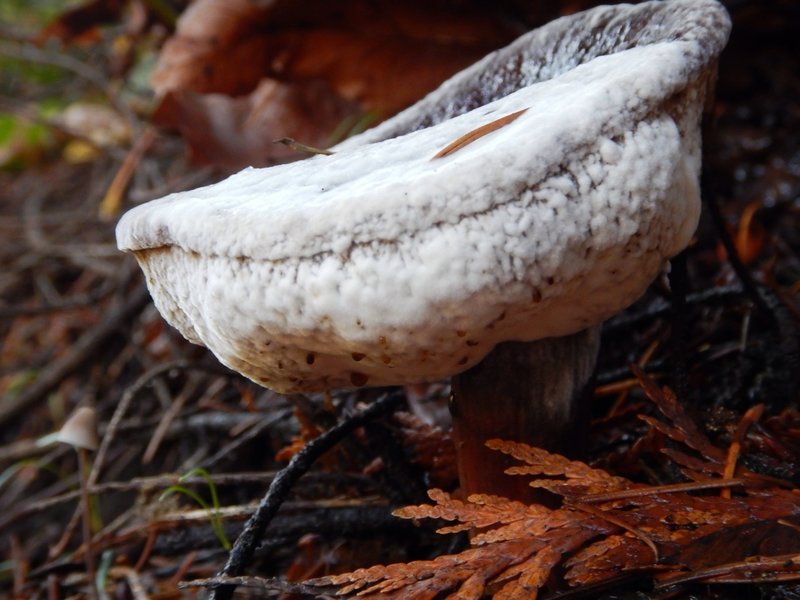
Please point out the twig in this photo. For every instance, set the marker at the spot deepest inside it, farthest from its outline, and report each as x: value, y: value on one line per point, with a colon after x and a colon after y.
x: 752, y: 415
x: 621, y: 523
x: 299, y: 147
x: 80, y: 352
x: 279, y: 489
x: 168, y: 417
x: 159, y: 481
x: 660, y: 307
x: 244, y: 438
x: 125, y: 402
x: 75, y: 302
x: 673, y: 488
x: 86, y: 521
x: 756, y: 569
x: 112, y: 201
x: 32, y: 53
x: 135, y: 584
x: 257, y: 583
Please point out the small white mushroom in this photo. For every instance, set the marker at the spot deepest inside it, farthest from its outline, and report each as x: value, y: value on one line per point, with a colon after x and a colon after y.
x: 80, y: 430
x: 531, y: 196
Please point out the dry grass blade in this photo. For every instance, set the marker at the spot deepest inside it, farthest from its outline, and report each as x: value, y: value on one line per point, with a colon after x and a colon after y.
x: 478, y: 133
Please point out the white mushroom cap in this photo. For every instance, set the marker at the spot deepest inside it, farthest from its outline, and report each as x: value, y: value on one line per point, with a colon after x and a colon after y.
x: 80, y: 429
x: 382, y: 265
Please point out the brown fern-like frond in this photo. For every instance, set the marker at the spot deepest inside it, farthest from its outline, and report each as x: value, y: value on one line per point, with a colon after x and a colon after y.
x: 606, y: 528
x: 681, y: 427
x: 541, y: 462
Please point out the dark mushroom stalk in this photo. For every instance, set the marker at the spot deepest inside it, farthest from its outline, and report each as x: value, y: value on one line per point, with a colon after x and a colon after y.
x: 529, y: 198
x: 535, y: 392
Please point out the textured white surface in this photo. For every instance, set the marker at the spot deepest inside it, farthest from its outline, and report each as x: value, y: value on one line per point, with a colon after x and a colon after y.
x: 379, y: 265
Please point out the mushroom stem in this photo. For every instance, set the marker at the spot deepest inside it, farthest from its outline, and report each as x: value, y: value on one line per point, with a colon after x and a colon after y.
x: 529, y: 392
x: 86, y: 520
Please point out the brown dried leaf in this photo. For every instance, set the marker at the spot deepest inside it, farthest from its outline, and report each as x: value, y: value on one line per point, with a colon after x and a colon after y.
x: 382, y: 54
x: 322, y: 63
x: 232, y: 132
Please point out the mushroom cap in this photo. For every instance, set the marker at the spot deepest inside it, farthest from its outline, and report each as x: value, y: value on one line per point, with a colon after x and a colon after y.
x: 80, y: 429
x: 403, y: 258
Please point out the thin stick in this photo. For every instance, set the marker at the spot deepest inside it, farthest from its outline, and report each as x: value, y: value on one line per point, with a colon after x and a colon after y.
x: 693, y: 486
x: 300, y: 147
x: 245, y: 545
x: 614, y: 520
x: 112, y: 201
x: 752, y: 415
x: 88, y: 555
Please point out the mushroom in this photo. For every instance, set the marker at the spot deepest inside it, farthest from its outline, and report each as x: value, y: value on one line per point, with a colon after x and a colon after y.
x: 80, y: 432
x: 483, y: 233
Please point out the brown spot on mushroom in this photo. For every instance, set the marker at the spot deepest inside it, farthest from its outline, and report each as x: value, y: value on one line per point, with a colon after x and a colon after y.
x: 310, y: 358
x: 382, y: 341
x: 536, y: 296
x: 461, y: 333
x: 280, y: 365
x: 472, y: 342
x: 358, y: 356
x: 386, y: 359
x: 358, y: 379
x: 463, y: 360
x: 496, y: 320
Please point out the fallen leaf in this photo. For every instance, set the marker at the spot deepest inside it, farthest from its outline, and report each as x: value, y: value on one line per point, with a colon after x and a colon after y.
x: 239, y: 74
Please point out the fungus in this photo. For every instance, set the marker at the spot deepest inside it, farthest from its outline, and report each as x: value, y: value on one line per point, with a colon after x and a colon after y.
x: 483, y: 233
x: 80, y: 432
